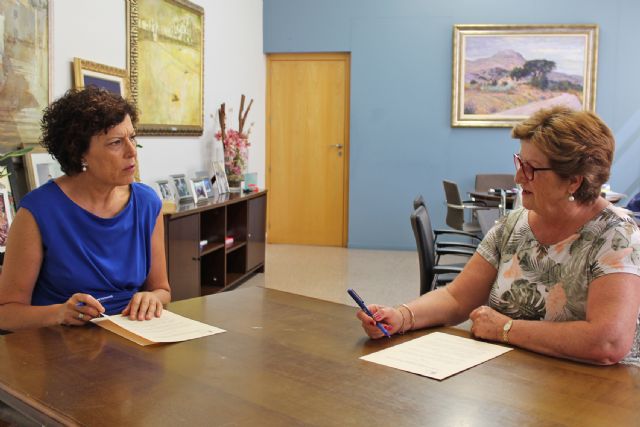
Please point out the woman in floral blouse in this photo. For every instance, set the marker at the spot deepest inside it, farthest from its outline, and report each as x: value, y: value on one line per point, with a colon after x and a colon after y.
x: 560, y: 276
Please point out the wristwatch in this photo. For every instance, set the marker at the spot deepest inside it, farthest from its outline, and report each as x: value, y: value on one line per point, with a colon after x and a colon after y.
x: 505, y: 331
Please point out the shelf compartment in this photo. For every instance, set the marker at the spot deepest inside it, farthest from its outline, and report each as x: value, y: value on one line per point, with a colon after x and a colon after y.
x: 211, y: 247
x: 236, y: 264
x: 212, y: 228
x: 237, y: 221
x: 212, y: 270
x: 235, y: 246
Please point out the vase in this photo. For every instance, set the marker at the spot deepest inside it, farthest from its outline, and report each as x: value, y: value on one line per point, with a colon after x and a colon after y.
x: 235, y: 183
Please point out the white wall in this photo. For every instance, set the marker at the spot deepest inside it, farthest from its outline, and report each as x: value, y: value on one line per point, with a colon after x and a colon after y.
x: 234, y: 64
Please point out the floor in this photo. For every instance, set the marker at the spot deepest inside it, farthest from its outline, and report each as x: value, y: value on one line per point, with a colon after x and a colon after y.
x: 381, y: 277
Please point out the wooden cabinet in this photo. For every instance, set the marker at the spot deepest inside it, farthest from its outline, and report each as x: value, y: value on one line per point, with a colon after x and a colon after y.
x: 198, y: 261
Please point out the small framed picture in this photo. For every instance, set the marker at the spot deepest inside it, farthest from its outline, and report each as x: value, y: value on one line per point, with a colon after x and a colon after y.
x: 183, y: 190
x: 86, y: 73
x: 211, y: 192
x: 221, y: 177
x: 165, y: 190
x: 199, y: 190
x: 41, y: 167
x: 5, y: 218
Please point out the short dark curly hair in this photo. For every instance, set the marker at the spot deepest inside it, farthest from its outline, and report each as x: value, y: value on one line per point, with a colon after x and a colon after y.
x: 70, y: 121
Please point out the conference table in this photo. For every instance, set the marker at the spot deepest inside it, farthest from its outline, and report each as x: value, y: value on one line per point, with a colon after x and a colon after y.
x: 290, y: 360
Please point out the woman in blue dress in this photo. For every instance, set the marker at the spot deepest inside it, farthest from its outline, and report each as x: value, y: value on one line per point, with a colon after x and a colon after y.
x: 92, y: 240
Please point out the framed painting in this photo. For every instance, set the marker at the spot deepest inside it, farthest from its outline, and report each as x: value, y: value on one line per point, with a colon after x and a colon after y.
x: 87, y: 73
x: 41, y: 167
x: 504, y: 73
x: 166, y: 36
x: 25, y: 70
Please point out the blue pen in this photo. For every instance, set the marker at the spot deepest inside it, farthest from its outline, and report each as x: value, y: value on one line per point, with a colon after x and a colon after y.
x: 364, y: 308
x: 80, y: 304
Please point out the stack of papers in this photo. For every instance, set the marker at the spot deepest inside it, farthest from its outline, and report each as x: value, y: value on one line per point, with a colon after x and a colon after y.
x: 169, y: 327
x: 437, y: 355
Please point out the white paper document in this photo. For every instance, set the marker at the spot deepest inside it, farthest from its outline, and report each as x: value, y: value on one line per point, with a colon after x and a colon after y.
x: 169, y: 327
x: 437, y: 355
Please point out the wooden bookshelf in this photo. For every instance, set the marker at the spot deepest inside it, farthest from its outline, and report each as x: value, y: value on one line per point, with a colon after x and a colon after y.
x: 198, y: 261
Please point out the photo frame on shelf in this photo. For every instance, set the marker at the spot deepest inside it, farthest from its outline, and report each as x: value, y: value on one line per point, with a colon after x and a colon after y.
x: 183, y: 189
x: 504, y: 73
x: 5, y: 218
x: 41, y: 167
x: 88, y: 73
x: 166, y: 35
x: 209, y: 187
x: 26, y: 67
x: 199, y: 190
x: 221, y: 177
x: 14, y: 180
x: 165, y: 190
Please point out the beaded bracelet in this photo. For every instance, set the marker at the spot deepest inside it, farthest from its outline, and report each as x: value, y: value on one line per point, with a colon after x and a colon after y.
x: 413, y: 317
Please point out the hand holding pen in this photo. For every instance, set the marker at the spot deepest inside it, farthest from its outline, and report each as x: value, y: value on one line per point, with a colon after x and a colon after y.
x: 86, y: 314
x: 364, y: 308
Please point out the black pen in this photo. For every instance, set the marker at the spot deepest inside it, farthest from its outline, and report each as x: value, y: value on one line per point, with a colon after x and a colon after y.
x: 364, y: 308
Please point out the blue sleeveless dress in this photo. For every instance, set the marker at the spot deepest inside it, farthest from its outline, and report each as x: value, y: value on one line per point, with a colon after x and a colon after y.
x: 88, y: 254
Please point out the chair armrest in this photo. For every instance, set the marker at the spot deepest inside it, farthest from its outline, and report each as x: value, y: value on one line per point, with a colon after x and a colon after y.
x: 440, y: 231
x: 453, y: 251
x: 456, y: 245
x: 442, y: 269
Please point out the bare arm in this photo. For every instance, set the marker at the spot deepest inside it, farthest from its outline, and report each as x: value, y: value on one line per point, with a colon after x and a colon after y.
x: 605, y: 337
x: 148, y: 303
x: 22, y: 262
x: 444, y: 306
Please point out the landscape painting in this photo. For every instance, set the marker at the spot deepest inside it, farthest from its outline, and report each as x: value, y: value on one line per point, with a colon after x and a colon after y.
x: 503, y: 74
x: 24, y: 70
x: 166, y: 38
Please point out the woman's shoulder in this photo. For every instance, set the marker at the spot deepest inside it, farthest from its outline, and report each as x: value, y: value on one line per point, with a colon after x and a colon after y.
x: 43, y: 195
x: 146, y: 194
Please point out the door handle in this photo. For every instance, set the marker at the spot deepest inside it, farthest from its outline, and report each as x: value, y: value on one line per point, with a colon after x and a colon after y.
x: 336, y: 145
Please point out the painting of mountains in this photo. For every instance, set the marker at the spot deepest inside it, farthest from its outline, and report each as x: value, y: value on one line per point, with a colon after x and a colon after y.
x: 505, y: 76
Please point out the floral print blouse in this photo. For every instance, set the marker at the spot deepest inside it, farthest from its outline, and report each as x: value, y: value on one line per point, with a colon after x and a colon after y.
x: 551, y: 282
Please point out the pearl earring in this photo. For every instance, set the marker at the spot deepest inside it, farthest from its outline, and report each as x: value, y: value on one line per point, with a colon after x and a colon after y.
x: 571, y: 198
x: 84, y: 167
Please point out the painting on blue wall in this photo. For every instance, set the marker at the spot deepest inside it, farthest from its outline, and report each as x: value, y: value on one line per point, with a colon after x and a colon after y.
x: 86, y: 73
x: 504, y: 73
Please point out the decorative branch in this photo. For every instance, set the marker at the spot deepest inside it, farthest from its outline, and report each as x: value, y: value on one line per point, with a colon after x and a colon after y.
x: 242, y: 118
x: 222, y: 119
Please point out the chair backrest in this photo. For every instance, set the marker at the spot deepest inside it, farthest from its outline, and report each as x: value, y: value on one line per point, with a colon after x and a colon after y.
x: 421, y: 224
x: 455, y: 216
x: 419, y: 201
x: 485, y: 181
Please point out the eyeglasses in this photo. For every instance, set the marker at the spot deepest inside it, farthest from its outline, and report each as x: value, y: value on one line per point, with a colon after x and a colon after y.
x: 527, y: 170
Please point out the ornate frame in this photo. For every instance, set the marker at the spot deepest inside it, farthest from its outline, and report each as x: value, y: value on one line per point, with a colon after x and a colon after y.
x: 24, y: 88
x: 105, y: 76
x: 482, y: 80
x: 170, y: 110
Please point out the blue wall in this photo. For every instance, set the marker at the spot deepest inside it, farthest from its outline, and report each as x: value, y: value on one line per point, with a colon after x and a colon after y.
x: 402, y: 143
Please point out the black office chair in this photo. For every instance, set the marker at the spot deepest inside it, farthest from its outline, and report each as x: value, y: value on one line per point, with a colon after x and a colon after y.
x: 456, y: 209
x: 475, y: 240
x: 432, y: 275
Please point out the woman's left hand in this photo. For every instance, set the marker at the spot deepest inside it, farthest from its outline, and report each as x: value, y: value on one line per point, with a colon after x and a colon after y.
x: 143, y: 305
x: 488, y: 324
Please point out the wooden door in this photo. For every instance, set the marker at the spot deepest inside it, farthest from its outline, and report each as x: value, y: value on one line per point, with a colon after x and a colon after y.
x: 308, y: 148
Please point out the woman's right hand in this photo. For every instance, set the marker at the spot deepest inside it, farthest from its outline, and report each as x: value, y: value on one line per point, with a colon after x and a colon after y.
x: 79, y: 309
x: 389, y: 317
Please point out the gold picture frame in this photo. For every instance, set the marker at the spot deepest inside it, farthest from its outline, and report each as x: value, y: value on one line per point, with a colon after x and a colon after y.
x: 40, y: 166
x: 87, y: 73
x: 26, y: 66
x: 504, y: 73
x: 166, y: 37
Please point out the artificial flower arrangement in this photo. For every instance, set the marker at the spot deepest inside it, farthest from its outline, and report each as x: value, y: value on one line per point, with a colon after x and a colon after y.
x: 235, y: 142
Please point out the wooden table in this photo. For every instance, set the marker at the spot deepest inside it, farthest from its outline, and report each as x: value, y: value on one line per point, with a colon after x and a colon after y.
x: 292, y: 360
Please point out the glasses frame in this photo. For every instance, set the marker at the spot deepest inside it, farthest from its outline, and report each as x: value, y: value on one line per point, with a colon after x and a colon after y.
x: 525, y: 167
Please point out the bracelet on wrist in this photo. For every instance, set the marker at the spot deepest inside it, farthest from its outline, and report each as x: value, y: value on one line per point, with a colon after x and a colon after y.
x: 401, y: 330
x: 412, y: 317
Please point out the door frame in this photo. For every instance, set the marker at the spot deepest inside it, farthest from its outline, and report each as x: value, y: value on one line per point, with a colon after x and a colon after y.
x: 335, y: 56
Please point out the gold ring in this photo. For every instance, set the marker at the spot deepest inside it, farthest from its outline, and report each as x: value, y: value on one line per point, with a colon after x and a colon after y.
x: 80, y: 316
